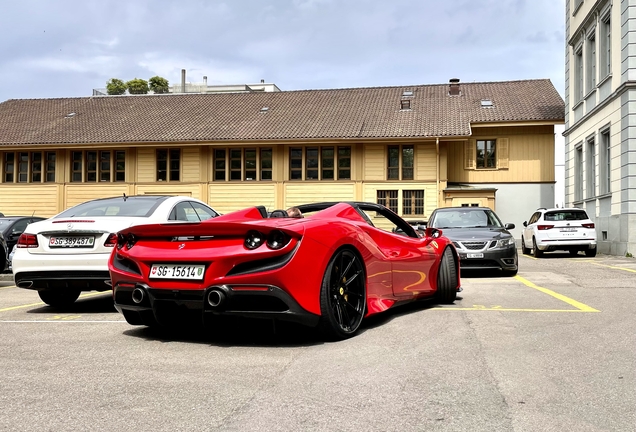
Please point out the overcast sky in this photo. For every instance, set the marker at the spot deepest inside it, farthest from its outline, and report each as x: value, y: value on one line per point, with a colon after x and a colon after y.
x: 65, y: 48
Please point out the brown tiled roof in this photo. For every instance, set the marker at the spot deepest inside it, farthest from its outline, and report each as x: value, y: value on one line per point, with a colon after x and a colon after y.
x: 355, y: 113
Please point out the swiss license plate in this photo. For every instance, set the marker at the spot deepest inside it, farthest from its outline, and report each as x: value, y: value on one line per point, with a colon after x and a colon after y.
x: 72, y: 242
x: 475, y: 255
x: 177, y: 271
x: 568, y: 229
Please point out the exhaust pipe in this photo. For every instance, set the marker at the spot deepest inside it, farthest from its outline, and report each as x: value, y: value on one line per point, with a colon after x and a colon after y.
x: 215, y: 298
x: 25, y: 284
x: 138, y: 295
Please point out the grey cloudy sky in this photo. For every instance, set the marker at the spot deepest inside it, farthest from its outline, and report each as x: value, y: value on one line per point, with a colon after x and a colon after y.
x: 65, y: 48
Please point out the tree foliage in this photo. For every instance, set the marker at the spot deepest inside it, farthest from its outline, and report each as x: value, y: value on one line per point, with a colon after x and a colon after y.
x: 115, y: 86
x: 137, y: 86
x: 159, y: 84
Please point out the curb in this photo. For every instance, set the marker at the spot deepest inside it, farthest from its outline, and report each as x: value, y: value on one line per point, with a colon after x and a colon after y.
x: 6, y: 277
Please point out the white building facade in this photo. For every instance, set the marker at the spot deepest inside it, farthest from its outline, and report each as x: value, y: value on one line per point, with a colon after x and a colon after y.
x: 600, y: 118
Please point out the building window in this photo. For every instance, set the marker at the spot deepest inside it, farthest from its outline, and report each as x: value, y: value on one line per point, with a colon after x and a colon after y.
x: 26, y: 167
x: 389, y: 199
x: 400, y: 162
x: 94, y: 166
x: 168, y: 164
x: 412, y: 202
x: 577, y: 5
x: 578, y: 173
x: 318, y: 163
x: 606, y: 163
x: 244, y: 164
x: 486, y: 154
x: 590, y: 167
x: 605, y: 47
x: 578, y: 75
x: 590, y: 72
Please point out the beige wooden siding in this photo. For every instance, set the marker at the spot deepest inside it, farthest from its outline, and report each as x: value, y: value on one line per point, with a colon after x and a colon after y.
x: 190, y: 165
x: 169, y: 188
x: 425, y: 162
x: 231, y: 196
x: 79, y: 193
x: 27, y: 200
x: 303, y: 193
x: 146, y: 165
x: 530, y: 159
x: 374, y: 162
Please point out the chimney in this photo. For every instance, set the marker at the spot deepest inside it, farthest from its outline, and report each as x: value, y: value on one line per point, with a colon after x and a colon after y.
x: 183, y: 86
x: 205, y: 80
x: 262, y: 81
x: 453, y: 87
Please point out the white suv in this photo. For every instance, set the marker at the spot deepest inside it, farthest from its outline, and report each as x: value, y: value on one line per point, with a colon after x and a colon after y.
x: 553, y: 229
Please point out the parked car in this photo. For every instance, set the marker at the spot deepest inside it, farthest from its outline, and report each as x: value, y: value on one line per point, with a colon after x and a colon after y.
x: 3, y: 254
x: 330, y: 268
x: 68, y: 253
x: 567, y: 229
x: 13, y: 226
x: 482, y: 240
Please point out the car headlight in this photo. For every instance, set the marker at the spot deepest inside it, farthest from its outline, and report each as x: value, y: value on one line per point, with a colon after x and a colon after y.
x: 504, y: 243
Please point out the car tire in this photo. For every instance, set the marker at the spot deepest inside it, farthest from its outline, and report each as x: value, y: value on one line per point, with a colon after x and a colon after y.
x: 59, y: 298
x: 447, y: 278
x: 510, y: 273
x: 573, y: 252
x: 536, y: 252
x: 524, y: 249
x: 590, y: 253
x: 343, y: 296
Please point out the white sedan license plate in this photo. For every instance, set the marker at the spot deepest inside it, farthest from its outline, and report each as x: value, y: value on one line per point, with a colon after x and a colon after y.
x: 177, y: 271
x: 475, y: 255
x: 568, y: 229
x: 72, y: 242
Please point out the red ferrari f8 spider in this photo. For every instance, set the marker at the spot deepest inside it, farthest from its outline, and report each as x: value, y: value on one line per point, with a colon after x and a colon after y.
x: 331, y: 267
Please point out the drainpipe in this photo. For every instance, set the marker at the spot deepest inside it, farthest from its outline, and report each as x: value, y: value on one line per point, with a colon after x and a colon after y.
x: 437, y: 170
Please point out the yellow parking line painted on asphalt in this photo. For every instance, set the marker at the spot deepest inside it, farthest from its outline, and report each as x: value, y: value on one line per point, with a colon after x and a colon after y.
x: 42, y: 303
x: 511, y: 309
x: 582, y: 307
x: 613, y: 267
x: 7, y: 287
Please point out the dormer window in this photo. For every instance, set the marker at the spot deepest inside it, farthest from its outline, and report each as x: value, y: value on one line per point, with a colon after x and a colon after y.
x: 486, y: 103
x: 405, y: 104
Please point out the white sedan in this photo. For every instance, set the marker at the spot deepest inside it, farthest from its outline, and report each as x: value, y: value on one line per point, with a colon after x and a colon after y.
x: 62, y: 256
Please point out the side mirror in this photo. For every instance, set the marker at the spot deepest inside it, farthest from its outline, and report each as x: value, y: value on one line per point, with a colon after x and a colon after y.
x: 509, y: 226
x: 525, y: 224
x: 433, y: 232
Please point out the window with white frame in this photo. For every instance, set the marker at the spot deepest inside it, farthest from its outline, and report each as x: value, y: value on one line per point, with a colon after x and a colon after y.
x: 590, y: 167
x: 605, y: 46
x: 605, y: 162
x: 578, y: 172
x: 590, y: 62
x: 578, y: 75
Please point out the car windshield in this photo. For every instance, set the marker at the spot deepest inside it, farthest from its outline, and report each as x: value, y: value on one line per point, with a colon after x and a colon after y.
x: 113, y: 207
x: 468, y: 218
x: 565, y: 215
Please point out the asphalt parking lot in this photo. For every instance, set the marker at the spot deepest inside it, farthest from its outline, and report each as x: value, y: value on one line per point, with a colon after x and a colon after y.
x: 552, y: 349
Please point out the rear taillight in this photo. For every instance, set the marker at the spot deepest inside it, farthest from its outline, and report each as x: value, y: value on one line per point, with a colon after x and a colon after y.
x: 27, y: 241
x: 122, y: 240
x: 588, y: 225
x: 111, y: 241
x: 544, y: 227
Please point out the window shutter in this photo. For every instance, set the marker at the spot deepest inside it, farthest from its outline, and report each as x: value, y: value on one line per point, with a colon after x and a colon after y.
x: 502, y: 153
x: 469, y: 154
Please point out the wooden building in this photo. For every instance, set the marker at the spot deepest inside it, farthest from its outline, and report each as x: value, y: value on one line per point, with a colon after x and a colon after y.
x: 412, y: 148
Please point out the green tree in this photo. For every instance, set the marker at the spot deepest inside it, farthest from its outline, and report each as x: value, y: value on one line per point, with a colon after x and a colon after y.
x: 137, y: 86
x: 158, y: 84
x: 115, y: 86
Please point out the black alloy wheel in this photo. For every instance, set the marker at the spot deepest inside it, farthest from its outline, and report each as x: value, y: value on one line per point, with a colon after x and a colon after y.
x: 536, y: 252
x: 343, y: 295
x: 524, y: 249
x: 447, y: 278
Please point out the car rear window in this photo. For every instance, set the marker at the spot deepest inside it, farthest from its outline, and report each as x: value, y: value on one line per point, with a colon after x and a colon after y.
x: 568, y: 215
x: 115, y: 207
x: 466, y: 218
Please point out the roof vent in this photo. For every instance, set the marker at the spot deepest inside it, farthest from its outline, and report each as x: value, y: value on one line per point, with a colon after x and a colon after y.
x: 486, y: 103
x: 264, y: 109
x: 70, y: 115
x: 453, y: 87
x: 407, y: 93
